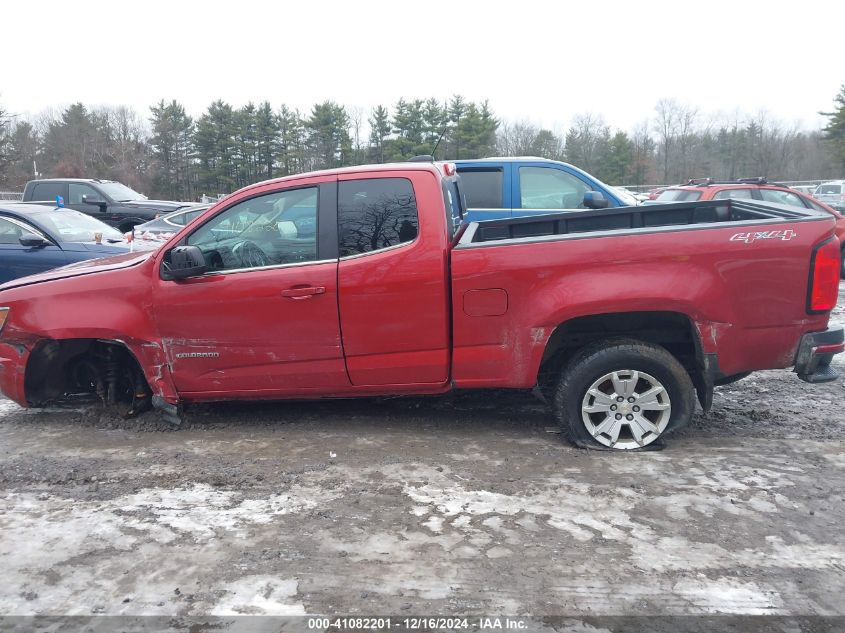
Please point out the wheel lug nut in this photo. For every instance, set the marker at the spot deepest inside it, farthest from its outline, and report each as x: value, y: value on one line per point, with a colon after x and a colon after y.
x: 618, y: 416
x: 636, y: 408
x: 631, y: 399
x: 629, y: 417
x: 620, y: 399
x: 613, y: 407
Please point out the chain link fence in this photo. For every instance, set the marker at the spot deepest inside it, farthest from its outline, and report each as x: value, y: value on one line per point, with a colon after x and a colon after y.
x: 11, y: 195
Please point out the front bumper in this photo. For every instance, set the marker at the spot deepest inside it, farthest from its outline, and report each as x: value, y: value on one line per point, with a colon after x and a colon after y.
x: 816, y: 350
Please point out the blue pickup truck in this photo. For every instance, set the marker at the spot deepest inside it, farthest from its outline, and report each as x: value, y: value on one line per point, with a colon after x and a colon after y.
x: 507, y: 187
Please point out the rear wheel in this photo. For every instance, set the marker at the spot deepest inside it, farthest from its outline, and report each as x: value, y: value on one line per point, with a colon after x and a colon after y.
x: 622, y: 394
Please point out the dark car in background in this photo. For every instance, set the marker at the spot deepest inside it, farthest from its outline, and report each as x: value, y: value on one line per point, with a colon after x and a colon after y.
x: 111, y: 202
x: 163, y: 228
x: 35, y: 238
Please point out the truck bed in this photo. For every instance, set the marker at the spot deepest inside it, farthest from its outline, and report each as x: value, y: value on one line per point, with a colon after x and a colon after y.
x: 736, y: 270
x: 648, y: 218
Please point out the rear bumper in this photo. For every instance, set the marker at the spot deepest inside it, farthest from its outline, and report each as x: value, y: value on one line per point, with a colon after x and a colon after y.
x: 816, y: 350
x: 13, y: 360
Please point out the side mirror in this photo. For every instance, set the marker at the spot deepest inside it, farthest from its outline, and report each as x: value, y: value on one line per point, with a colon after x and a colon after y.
x: 32, y: 240
x: 595, y: 200
x: 186, y: 261
x: 95, y: 201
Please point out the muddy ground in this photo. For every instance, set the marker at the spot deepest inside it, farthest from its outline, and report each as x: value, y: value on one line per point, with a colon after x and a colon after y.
x: 467, y: 504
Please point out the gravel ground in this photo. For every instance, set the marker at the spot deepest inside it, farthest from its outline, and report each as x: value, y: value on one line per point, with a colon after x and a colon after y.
x: 467, y: 504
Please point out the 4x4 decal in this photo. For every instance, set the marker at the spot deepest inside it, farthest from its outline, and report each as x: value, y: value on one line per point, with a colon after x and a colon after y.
x: 753, y: 236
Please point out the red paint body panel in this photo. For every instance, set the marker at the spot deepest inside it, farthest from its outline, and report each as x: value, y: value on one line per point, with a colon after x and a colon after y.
x: 418, y: 318
x: 394, y: 304
x: 264, y: 341
x: 747, y: 300
x: 485, y: 302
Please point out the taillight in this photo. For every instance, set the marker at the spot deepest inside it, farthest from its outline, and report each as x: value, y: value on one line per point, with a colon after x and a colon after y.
x: 824, y: 277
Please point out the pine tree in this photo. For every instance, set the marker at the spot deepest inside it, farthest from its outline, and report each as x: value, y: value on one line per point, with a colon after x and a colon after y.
x: 171, y: 146
x: 291, y: 142
x: 267, y: 130
x: 216, y: 148
x: 379, y: 134
x: 834, y: 131
x: 328, y: 135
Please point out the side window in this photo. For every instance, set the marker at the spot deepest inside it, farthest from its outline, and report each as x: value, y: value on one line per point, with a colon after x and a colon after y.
x: 482, y: 188
x: 781, y: 197
x: 77, y: 190
x: 9, y: 232
x: 679, y: 195
x: 375, y: 213
x: 270, y: 230
x: 547, y: 188
x: 177, y: 218
x: 47, y: 191
x: 729, y: 194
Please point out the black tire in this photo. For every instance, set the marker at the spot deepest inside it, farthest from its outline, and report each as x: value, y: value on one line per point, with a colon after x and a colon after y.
x: 600, y: 359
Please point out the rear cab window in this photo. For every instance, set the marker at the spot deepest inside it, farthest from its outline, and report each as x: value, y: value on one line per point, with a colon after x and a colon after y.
x: 483, y: 188
x: 48, y: 191
x: 733, y: 194
x: 374, y: 214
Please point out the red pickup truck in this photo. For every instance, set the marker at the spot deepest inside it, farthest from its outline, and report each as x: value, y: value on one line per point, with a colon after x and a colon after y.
x: 365, y: 281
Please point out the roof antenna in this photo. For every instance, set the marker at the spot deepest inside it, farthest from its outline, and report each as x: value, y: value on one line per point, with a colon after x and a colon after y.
x: 442, y: 134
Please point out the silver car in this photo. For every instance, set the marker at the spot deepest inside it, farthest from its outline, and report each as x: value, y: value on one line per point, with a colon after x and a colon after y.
x: 832, y: 193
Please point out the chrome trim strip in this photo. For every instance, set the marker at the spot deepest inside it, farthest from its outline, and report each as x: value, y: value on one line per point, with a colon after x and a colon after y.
x: 273, y: 267
x: 379, y: 250
x: 465, y: 241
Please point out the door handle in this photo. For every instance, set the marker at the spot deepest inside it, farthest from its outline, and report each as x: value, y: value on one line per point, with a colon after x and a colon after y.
x: 303, y: 292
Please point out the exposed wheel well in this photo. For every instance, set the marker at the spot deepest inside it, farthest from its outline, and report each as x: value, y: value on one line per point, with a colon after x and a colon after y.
x: 671, y: 330
x: 61, y: 368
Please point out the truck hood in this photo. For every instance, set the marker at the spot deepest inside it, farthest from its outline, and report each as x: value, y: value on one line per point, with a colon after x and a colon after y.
x: 165, y: 206
x: 116, y: 262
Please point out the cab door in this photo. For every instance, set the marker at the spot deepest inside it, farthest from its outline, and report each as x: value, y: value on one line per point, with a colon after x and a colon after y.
x: 393, y: 279
x: 264, y: 319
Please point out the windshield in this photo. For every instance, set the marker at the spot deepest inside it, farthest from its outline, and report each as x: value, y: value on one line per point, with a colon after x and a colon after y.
x: 73, y: 226
x: 679, y: 195
x: 627, y: 197
x: 120, y: 193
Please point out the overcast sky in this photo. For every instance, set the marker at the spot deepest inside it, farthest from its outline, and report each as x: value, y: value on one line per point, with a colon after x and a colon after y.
x: 539, y: 61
